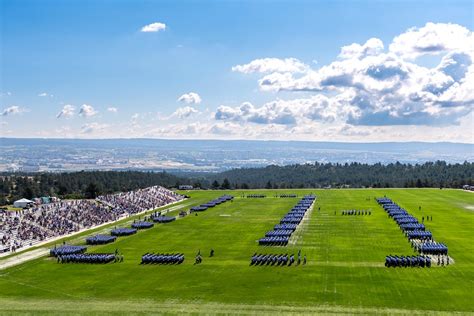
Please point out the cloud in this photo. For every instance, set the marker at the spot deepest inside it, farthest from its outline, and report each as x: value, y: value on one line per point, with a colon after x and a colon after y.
x: 275, y: 112
x: 112, y: 109
x: 270, y: 65
x: 190, y: 98
x: 184, y: 112
x: 372, y: 47
x: 288, y: 112
x: 154, y: 27
x: 225, y: 128
x: 67, y: 111
x: 87, y: 110
x: 5, y: 94
x: 45, y: 94
x: 12, y: 110
x: 432, y: 39
x: 94, y: 127
x: 371, y: 87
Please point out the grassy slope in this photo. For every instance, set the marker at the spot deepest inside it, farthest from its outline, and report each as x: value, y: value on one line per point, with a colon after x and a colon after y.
x: 345, y: 268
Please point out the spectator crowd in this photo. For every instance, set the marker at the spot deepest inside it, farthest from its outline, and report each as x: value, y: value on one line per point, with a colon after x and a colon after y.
x: 29, y: 226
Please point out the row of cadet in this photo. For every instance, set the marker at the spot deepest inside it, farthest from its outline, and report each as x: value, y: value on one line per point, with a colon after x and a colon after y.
x: 151, y: 258
x: 93, y: 258
x: 287, y: 195
x: 205, y: 206
x: 160, y: 218
x: 407, y: 261
x: 76, y: 254
x: 276, y: 259
x: 255, y: 196
x: 281, y: 233
x: 432, y: 248
x: 356, y: 212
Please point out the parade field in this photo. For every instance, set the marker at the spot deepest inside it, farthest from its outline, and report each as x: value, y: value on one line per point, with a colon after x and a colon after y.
x: 344, y: 273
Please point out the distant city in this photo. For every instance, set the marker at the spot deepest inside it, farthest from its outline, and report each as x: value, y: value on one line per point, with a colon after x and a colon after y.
x: 178, y: 156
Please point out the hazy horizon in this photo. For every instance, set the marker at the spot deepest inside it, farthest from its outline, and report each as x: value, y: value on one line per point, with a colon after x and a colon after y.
x: 233, y: 140
x: 210, y: 155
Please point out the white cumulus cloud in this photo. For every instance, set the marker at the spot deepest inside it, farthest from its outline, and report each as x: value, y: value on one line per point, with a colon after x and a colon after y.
x: 270, y: 65
x: 67, y: 111
x: 184, y: 112
x: 112, y: 109
x: 12, y: 110
x: 367, y: 86
x: 372, y: 47
x: 190, y: 98
x: 87, y: 110
x: 433, y: 38
x: 154, y: 27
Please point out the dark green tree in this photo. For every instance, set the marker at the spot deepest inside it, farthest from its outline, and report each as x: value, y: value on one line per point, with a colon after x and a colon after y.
x: 215, y: 185
x: 92, y: 191
x: 226, y: 184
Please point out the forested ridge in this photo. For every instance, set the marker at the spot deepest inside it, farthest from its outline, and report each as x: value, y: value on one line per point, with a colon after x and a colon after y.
x: 318, y: 175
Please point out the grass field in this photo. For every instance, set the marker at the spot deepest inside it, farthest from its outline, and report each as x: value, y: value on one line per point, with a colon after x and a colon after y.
x: 344, y: 274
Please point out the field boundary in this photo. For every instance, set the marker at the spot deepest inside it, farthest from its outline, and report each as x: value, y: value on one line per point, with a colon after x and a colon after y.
x: 194, y: 307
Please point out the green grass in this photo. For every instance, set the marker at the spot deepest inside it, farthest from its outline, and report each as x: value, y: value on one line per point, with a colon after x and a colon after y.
x: 344, y: 274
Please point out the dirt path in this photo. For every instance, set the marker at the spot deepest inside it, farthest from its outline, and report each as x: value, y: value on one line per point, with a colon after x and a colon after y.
x: 23, y: 257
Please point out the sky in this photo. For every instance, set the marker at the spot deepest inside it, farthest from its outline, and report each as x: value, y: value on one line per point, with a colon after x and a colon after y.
x: 357, y: 71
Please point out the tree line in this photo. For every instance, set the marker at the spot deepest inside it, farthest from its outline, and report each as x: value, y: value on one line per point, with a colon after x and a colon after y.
x: 89, y: 184
x: 84, y: 184
x: 358, y: 175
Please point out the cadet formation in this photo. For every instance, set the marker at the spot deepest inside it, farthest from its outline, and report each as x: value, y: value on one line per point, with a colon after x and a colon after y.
x: 281, y: 233
x: 420, y: 239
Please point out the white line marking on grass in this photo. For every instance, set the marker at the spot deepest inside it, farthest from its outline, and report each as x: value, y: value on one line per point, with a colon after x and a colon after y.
x: 301, y: 228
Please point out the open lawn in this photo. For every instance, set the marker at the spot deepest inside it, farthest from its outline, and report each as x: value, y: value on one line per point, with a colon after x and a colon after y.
x: 345, y: 271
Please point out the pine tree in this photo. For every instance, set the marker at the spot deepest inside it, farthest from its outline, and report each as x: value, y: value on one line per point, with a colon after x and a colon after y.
x: 226, y: 184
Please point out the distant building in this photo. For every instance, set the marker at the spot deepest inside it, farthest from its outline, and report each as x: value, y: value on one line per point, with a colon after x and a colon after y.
x: 22, y: 203
x: 185, y: 187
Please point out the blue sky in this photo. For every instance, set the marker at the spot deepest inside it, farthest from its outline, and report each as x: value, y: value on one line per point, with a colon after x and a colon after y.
x: 93, y: 55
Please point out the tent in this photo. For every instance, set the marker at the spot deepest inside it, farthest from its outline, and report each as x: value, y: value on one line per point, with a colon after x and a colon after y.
x: 22, y: 203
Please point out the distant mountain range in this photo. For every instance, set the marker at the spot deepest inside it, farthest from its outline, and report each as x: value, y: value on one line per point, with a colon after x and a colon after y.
x: 26, y: 154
